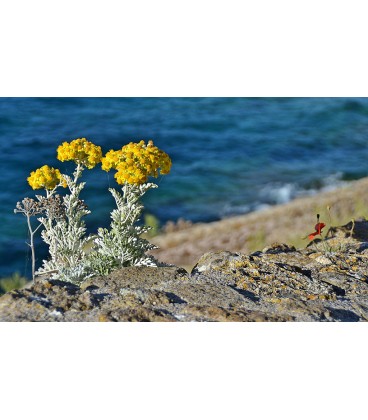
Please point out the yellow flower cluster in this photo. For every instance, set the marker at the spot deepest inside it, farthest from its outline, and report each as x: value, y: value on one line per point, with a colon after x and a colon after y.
x: 46, y: 177
x: 135, y: 162
x: 81, y: 151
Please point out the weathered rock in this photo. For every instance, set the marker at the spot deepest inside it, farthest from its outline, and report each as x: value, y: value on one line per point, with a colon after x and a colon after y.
x: 324, y: 282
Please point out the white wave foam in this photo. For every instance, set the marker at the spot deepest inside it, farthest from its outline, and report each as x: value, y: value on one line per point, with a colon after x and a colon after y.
x: 277, y: 193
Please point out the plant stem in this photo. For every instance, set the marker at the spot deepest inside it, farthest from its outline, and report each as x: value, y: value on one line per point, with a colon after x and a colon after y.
x: 352, y: 227
x: 32, y: 246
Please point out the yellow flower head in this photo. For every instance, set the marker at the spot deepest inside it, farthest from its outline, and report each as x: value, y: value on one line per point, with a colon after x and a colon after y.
x: 135, y: 162
x: 81, y: 151
x: 46, y: 177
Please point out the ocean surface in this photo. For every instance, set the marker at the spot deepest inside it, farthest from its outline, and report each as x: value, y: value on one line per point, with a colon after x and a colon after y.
x: 230, y: 155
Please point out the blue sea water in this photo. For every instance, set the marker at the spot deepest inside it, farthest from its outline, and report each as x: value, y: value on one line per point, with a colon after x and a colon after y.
x: 230, y: 155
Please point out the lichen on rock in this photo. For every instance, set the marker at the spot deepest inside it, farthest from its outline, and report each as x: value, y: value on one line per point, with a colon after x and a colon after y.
x: 280, y: 283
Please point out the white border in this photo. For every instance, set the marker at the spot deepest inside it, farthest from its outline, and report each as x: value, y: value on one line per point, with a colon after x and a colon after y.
x: 196, y: 48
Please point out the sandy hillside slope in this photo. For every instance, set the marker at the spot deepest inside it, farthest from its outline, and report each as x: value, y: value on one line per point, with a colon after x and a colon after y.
x: 288, y: 223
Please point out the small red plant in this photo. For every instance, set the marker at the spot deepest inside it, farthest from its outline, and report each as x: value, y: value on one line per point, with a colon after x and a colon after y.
x: 318, y: 229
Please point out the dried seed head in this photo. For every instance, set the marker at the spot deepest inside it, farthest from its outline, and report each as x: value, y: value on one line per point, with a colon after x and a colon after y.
x: 30, y: 207
x: 54, y: 206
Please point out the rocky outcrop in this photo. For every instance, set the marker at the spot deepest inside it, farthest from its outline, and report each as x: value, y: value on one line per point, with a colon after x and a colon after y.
x: 327, y: 281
